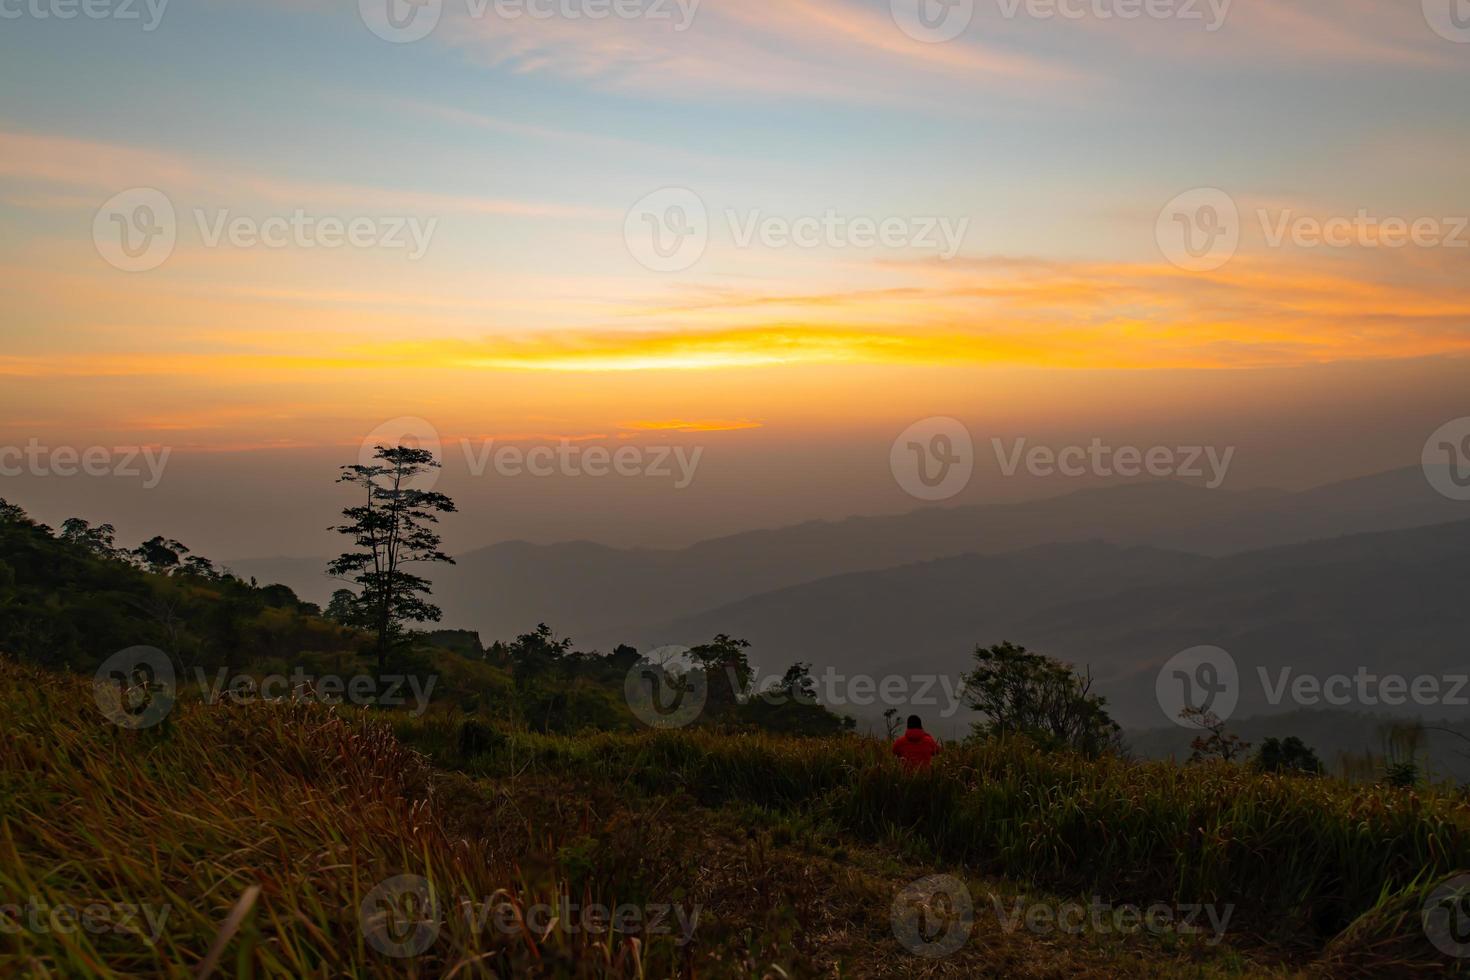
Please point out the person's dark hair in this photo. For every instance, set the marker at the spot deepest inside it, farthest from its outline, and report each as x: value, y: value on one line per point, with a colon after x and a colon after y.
x: 915, y: 722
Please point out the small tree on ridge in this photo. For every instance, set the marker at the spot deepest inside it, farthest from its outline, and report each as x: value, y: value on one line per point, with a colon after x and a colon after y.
x: 393, y: 527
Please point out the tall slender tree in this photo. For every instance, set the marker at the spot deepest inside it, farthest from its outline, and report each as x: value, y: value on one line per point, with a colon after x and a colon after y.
x: 393, y: 527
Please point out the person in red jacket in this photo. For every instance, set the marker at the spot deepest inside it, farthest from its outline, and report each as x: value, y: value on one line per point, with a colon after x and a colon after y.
x: 916, y: 747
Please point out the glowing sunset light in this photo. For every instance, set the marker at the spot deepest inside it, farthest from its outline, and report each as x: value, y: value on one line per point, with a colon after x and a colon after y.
x: 331, y: 253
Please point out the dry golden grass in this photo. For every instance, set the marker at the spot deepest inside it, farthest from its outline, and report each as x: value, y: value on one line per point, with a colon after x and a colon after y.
x: 263, y: 828
x: 277, y: 820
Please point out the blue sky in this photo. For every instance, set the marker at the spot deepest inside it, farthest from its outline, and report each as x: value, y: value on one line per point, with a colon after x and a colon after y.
x: 532, y: 153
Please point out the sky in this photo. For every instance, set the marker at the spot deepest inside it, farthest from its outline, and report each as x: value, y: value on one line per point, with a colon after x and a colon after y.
x: 250, y: 235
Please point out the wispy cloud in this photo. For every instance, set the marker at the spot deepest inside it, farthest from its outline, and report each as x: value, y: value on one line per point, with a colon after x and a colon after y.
x: 109, y: 167
x: 689, y: 425
x: 829, y: 49
x: 1000, y: 311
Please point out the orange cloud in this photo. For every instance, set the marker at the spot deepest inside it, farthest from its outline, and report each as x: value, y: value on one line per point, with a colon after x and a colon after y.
x: 110, y: 167
x: 691, y: 425
x: 1254, y: 312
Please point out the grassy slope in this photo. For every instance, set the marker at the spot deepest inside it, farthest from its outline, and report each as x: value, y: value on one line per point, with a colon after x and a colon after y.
x: 785, y: 846
x: 1318, y: 850
x: 312, y: 808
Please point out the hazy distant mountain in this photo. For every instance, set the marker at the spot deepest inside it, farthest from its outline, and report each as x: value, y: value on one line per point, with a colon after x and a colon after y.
x: 580, y: 586
x: 1332, y: 734
x: 591, y: 591
x: 1381, y: 502
x: 583, y: 588
x: 1388, y: 602
x: 927, y: 615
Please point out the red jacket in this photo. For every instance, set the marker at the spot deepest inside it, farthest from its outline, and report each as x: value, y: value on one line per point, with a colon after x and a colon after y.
x: 916, y: 748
